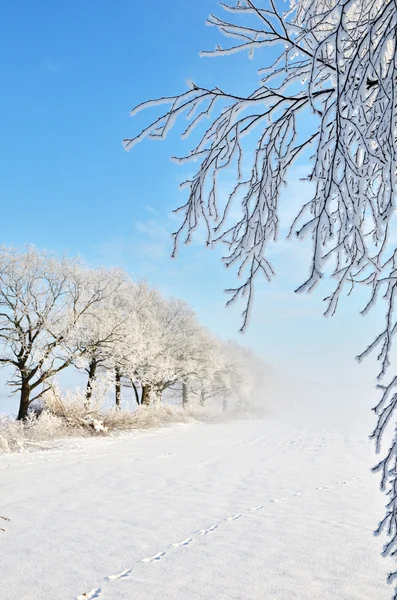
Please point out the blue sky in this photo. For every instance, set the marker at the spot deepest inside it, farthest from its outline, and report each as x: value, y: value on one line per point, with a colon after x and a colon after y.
x: 71, y: 71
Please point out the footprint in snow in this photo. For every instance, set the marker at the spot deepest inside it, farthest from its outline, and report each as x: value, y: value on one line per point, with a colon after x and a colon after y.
x: 157, y: 556
x: 322, y: 488
x: 90, y: 595
x: 233, y: 518
x: 256, y: 508
x: 205, y: 531
x: 183, y: 543
x: 121, y: 575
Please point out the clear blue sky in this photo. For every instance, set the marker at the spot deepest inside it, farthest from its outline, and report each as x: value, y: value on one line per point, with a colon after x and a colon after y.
x: 71, y: 71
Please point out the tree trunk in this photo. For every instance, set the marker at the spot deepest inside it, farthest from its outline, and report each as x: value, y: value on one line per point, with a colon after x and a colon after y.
x: 118, y: 388
x: 91, y: 378
x: 224, y: 404
x: 136, y: 392
x: 184, y: 395
x: 24, y: 401
x: 145, y: 399
x: 202, y: 398
x: 156, y: 394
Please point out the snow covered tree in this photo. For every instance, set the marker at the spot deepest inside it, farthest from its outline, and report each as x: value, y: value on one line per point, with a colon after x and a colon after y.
x: 327, y: 87
x: 227, y: 372
x: 173, y: 348
x: 136, y: 349
x: 135, y: 353
x: 249, y: 376
x: 240, y: 377
x: 42, y: 300
x: 190, y: 348
x: 104, y: 330
x: 212, y: 376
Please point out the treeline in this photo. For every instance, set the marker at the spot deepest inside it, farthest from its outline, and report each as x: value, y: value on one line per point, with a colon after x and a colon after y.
x: 58, y: 313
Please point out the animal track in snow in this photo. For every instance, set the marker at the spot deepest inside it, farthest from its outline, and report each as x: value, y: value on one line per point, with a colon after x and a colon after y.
x: 153, y: 558
x: 156, y: 557
x: 208, y: 530
x: 183, y: 543
x: 319, y: 488
x: 121, y: 575
x: 127, y: 572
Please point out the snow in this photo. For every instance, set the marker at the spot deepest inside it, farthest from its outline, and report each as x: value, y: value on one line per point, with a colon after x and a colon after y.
x: 238, y: 510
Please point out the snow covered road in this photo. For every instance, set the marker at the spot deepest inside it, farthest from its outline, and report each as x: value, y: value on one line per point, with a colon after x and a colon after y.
x: 245, y: 510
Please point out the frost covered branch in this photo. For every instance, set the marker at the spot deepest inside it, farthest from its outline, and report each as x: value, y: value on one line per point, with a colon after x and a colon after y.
x: 326, y: 65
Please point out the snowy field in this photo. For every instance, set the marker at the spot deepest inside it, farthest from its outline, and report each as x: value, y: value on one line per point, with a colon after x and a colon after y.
x: 244, y: 510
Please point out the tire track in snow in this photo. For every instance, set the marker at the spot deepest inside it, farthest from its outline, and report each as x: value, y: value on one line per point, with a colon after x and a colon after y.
x: 126, y: 573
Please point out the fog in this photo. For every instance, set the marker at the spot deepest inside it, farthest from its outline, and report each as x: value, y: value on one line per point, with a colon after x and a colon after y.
x: 330, y: 400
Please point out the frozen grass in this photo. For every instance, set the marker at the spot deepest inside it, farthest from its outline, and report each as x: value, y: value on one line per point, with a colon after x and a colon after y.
x: 34, y: 433
x: 68, y: 417
x: 62, y: 415
x: 158, y: 415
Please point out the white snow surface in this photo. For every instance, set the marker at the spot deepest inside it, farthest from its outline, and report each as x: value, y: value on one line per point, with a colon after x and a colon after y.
x: 243, y: 510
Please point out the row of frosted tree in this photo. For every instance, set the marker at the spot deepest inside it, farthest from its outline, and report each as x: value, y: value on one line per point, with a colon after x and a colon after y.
x: 56, y: 313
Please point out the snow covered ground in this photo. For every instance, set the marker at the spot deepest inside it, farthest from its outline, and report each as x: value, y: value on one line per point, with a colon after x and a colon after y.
x: 243, y: 510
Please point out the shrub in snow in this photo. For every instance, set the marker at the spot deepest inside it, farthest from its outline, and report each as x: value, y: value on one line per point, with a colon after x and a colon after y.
x: 157, y: 415
x: 72, y: 408
x: 18, y: 436
x: 70, y: 420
